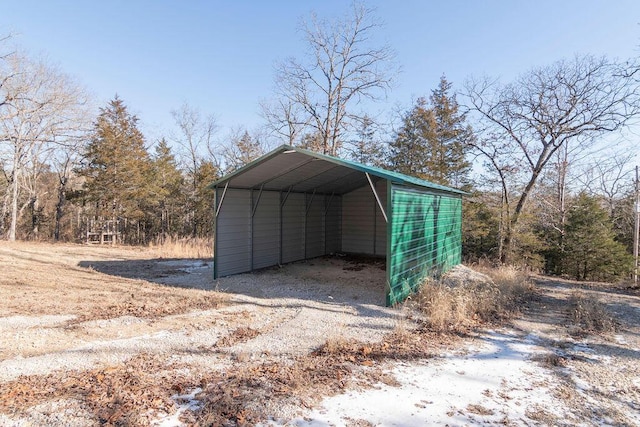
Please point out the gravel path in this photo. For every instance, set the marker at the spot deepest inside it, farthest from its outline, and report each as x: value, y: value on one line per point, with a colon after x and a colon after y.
x: 274, y: 315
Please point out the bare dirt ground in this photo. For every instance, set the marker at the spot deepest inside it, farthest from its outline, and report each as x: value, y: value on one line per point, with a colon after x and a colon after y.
x: 596, y: 375
x: 117, y: 336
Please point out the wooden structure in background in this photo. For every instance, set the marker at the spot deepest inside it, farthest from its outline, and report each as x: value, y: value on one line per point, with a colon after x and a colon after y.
x: 103, y: 231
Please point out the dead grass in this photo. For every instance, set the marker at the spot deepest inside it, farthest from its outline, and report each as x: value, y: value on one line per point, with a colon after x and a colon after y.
x: 174, y: 247
x: 46, y: 279
x: 126, y: 394
x: 471, y: 300
x: 590, y: 316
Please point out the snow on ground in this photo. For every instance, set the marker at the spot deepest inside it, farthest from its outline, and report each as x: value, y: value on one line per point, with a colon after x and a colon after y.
x: 184, y: 402
x: 492, y: 381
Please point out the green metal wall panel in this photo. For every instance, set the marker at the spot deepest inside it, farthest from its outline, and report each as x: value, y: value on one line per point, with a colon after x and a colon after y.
x: 425, y: 238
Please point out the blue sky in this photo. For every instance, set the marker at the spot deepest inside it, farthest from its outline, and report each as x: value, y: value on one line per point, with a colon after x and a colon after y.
x: 219, y: 56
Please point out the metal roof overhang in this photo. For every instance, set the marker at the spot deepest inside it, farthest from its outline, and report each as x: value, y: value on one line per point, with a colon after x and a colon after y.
x: 294, y: 169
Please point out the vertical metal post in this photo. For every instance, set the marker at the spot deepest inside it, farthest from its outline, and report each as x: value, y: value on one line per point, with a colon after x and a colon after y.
x: 636, y: 234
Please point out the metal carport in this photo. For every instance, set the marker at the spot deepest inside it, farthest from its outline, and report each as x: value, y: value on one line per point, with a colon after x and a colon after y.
x: 293, y: 204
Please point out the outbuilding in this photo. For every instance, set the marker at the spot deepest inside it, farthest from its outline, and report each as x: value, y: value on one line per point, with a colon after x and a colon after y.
x: 294, y: 204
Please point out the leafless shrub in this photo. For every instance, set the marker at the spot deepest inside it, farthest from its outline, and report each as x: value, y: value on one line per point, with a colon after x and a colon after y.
x: 589, y: 315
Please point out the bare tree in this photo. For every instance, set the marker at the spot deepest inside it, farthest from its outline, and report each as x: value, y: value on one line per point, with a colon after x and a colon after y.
x: 196, y: 149
x: 65, y: 157
x: 341, y: 69
x: 194, y: 137
x: 284, y: 119
x: 241, y: 148
x: 609, y: 176
x: 39, y: 109
x: 546, y: 108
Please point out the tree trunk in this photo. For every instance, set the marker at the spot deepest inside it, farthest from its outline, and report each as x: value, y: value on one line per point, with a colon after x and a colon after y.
x: 35, y: 217
x: 14, y: 204
x: 62, y: 198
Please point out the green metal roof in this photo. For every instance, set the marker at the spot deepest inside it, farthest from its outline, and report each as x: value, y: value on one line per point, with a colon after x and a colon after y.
x: 305, y: 170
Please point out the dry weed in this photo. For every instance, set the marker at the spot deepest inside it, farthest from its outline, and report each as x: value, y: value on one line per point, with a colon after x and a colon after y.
x: 472, y: 299
x: 479, y: 409
x: 589, y: 315
x: 550, y: 360
x: 174, y: 247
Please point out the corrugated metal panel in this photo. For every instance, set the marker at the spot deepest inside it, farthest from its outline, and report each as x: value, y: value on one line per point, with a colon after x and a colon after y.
x: 285, y: 159
x: 425, y: 238
x: 358, y: 224
x: 233, y: 237
x: 266, y: 229
x: 265, y: 169
x: 314, y: 240
x: 363, y: 225
x: 333, y: 224
x: 293, y: 227
x: 298, y: 176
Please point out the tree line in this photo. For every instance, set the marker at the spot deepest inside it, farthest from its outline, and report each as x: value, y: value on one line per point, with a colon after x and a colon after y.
x: 547, y: 188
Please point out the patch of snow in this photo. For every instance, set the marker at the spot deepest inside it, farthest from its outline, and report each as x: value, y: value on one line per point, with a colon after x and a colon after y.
x: 620, y: 339
x: 582, y: 347
x: 488, y: 384
x: 184, y: 402
x: 197, y: 267
x: 187, y: 265
x: 580, y: 385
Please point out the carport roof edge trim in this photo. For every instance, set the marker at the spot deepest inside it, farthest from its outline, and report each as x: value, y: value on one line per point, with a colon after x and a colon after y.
x: 394, y: 177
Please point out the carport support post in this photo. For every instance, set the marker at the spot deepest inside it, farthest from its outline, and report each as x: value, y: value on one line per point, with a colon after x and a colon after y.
x: 283, y: 200
x: 224, y: 192
x: 254, y: 208
x: 375, y: 193
x: 215, y: 226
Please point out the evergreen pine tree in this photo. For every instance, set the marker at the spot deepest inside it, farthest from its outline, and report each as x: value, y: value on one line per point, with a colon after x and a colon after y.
x: 204, y: 206
x: 409, y: 152
x: 241, y: 151
x: 117, y: 165
x: 433, y: 140
x: 167, y: 182
x: 591, y: 252
x: 448, y: 163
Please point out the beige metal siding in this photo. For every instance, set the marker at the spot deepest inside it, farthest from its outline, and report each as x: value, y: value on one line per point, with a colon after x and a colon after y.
x: 333, y: 224
x: 233, y: 239
x: 266, y: 229
x: 364, y: 230
x: 293, y: 227
x: 314, y: 240
x: 358, y: 225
